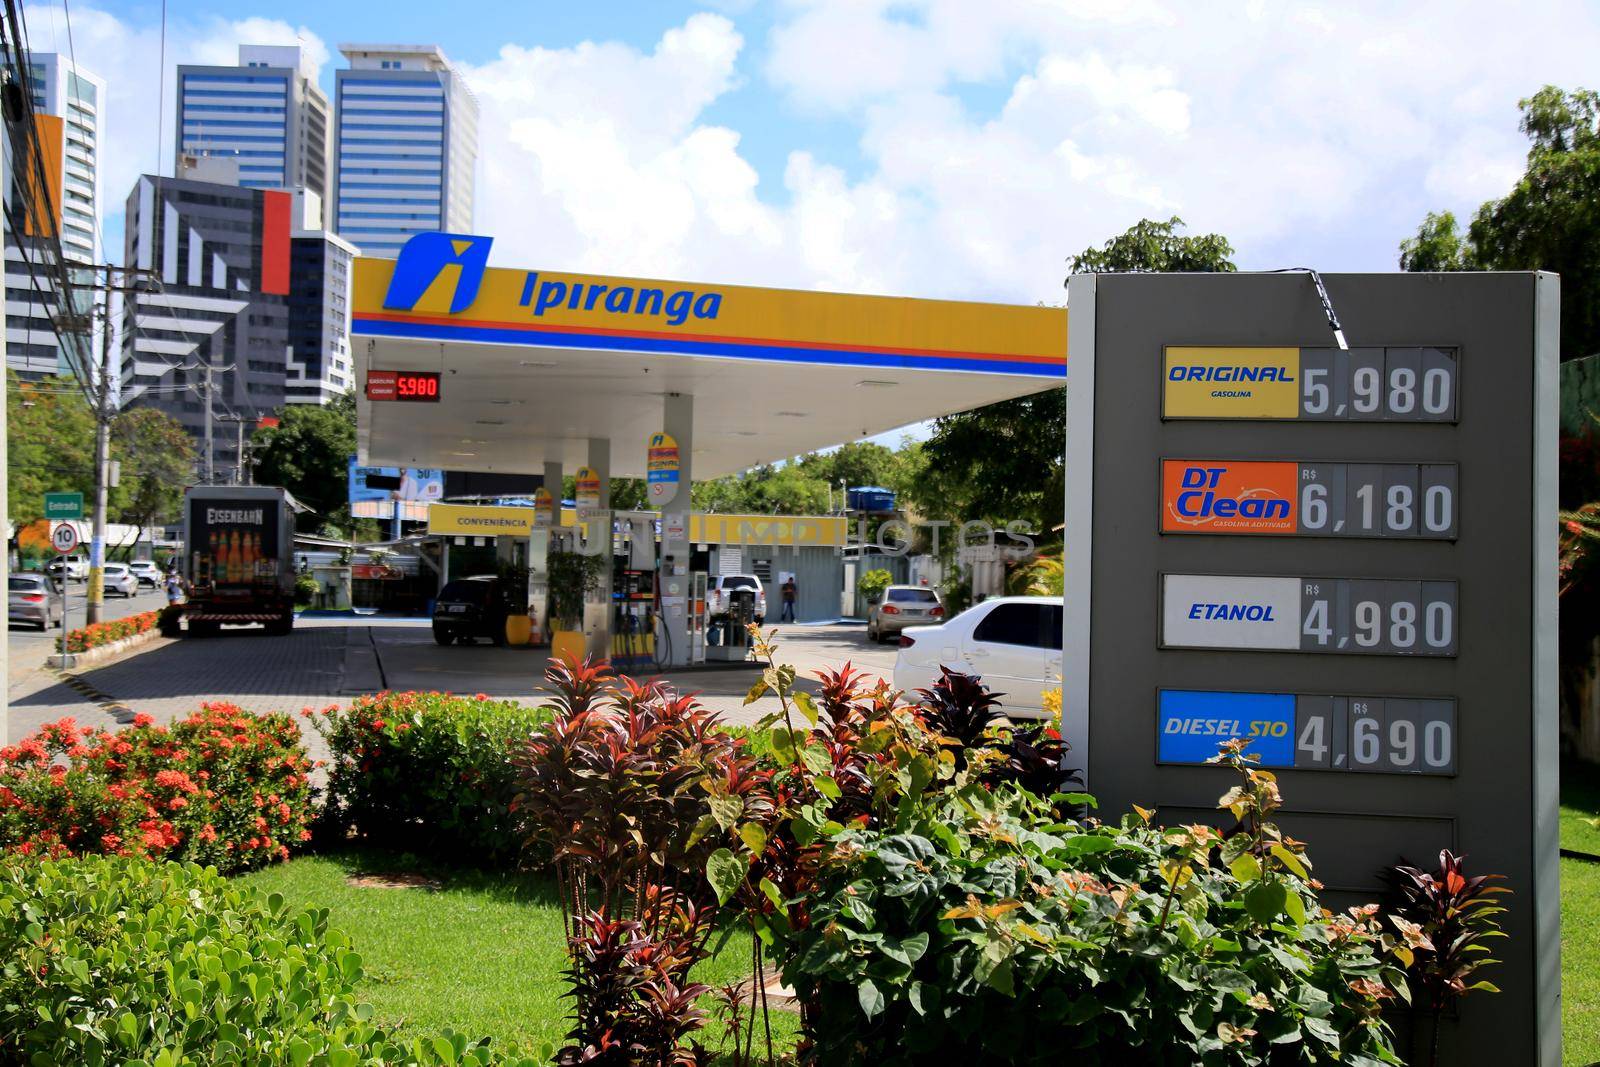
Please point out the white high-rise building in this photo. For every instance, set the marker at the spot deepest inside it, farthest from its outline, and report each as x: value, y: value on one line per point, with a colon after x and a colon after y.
x: 406, y: 140
x: 76, y: 97
x: 267, y: 115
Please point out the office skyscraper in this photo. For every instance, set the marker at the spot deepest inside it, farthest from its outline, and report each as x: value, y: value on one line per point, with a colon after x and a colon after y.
x: 406, y: 138
x: 69, y: 100
x: 223, y: 256
x: 267, y: 114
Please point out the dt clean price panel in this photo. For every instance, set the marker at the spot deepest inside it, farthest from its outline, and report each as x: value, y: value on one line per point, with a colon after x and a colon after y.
x: 1308, y: 498
x: 1375, y: 734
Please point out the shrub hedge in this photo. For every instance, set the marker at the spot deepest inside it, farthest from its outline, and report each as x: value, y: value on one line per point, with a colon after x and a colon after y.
x: 118, y: 960
x: 428, y: 773
x: 221, y: 787
x: 104, y: 633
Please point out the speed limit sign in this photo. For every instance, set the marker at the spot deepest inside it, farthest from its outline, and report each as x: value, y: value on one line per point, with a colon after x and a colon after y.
x: 64, y: 538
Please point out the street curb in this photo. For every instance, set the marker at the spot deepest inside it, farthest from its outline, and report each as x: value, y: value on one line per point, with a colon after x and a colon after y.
x: 363, y: 669
x: 99, y: 654
x: 95, y: 657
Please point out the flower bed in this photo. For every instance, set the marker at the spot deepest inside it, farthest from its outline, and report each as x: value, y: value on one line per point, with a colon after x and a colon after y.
x: 426, y: 772
x: 104, y: 633
x: 221, y: 787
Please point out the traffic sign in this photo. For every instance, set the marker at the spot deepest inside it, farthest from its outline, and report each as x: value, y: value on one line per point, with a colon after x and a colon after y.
x: 64, y: 538
x: 63, y: 505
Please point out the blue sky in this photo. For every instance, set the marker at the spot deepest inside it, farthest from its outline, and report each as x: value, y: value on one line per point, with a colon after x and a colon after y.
x: 948, y: 148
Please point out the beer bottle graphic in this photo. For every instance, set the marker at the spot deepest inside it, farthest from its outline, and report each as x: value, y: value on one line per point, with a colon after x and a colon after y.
x: 233, y: 557
x: 214, y: 561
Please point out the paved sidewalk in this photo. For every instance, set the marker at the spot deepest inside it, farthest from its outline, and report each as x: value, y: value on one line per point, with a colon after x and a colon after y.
x: 330, y: 660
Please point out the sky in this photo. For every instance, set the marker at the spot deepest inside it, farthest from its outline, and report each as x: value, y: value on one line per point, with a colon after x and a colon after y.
x: 936, y: 148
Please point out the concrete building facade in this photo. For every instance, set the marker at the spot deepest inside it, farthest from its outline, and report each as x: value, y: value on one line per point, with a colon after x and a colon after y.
x: 223, y: 255
x: 267, y: 114
x: 74, y: 98
x: 406, y: 142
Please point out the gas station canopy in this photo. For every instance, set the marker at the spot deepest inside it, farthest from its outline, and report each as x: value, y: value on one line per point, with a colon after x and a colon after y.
x: 533, y: 364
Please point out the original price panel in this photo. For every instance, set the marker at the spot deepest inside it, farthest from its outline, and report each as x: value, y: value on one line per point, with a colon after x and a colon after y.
x: 1395, y: 384
x: 1309, y: 499
x: 1371, y: 616
x: 1381, y: 735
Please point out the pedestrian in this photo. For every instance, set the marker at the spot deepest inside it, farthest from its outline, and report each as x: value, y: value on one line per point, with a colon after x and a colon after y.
x: 789, y: 592
x: 174, y: 588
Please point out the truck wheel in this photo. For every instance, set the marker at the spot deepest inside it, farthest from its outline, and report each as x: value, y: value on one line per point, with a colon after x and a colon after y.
x: 442, y: 636
x: 282, y: 626
x: 204, y: 629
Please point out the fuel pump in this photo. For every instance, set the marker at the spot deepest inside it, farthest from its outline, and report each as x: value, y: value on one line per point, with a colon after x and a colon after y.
x: 634, y: 598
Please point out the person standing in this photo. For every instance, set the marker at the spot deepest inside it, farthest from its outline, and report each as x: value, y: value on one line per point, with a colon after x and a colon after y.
x: 789, y: 593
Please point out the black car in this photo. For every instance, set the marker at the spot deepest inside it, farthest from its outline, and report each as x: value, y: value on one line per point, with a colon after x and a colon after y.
x: 471, y: 607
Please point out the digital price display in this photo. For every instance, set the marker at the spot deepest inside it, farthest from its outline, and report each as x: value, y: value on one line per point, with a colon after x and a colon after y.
x: 1310, y: 384
x: 1309, y: 499
x: 1373, y: 616
x: 413, y: 385
x: 1385, y: 735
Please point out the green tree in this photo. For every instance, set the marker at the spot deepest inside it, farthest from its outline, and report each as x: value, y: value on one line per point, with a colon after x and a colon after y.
x: 308, y: 453
x: 1550, y: 220
x: 157, y: 457
x: 50, y: 444
x: 1003, y: 462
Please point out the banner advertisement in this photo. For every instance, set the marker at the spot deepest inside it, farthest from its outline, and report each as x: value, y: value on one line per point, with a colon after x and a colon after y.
x: 544, y: 509
x: 662, y: 467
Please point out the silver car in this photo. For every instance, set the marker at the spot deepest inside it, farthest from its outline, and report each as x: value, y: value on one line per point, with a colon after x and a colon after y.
x: 901, y: 606
x: 147, y: 572
x: 117, y: 578
x: 34, y: 599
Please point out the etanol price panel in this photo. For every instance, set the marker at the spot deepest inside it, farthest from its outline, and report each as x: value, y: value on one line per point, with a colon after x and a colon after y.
x: 1373, y: 616
x: 1309, y: 498
x: 1385, y: 735
x: 1395, y: 384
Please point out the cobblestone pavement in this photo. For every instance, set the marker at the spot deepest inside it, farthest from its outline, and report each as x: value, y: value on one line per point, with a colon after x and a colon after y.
x: 327, y: 660
x: 410, y: 660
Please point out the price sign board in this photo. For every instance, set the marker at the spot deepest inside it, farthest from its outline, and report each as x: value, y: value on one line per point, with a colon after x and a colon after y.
x: 1343, y: 557
x: 405, y: 385
x: 1398, y: 384
x: 1308, y: 498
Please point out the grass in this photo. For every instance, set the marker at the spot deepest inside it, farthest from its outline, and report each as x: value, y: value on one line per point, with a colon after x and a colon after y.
x: 1580, y: 915
x: 480, y: 954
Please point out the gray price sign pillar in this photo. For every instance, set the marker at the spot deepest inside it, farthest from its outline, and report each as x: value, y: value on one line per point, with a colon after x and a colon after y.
x: 1387, y: 637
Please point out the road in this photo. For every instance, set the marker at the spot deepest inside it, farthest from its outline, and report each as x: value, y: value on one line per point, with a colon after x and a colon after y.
x: 28, y: 647
x: 330, y: 660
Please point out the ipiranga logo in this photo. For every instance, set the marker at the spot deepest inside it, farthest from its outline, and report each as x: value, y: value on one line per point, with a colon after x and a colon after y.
x: 425, y: 256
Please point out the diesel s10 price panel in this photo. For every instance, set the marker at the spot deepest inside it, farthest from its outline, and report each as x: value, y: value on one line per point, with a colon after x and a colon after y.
x: 1385, y: 735
x: 1395, y: 384
x: 1309, y: 498
x: 1372, y: 616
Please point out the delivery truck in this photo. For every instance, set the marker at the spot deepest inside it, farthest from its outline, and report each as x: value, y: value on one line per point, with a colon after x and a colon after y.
x: 238, y: 558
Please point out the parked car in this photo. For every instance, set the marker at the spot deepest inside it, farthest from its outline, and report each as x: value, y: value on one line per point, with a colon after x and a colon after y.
x: 35, y: 599
x: 469, y: 608
x: 721, y: 589
x: 76, y: 568
x: 1013, y: 643
x: 147, y: 572
x: 901, y: 606
x: 117, y: 578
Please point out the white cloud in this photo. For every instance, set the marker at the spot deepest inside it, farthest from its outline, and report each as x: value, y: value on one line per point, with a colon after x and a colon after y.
x: 129, y: 57
x: 990, y: 141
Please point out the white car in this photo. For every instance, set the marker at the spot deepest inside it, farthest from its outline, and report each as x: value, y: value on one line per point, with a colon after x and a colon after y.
x: 117, y: 578
x: 73, y: 568
x: 147, y: 572
x: 721, y: 589
x: 1013, y: 643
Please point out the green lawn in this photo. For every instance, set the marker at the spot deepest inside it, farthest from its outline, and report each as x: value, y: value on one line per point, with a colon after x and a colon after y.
x: 482, y: 954
x: 1580, y: 916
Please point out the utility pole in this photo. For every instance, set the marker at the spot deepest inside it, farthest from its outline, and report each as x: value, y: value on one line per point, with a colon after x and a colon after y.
x: 104, y: 410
